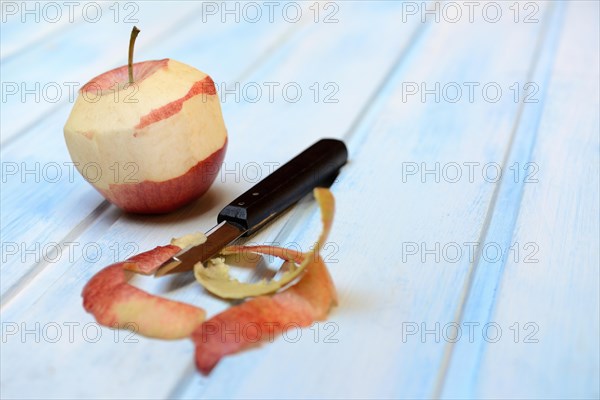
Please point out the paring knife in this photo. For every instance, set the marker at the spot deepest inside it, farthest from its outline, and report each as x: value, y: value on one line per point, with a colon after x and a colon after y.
x: 316, y: 166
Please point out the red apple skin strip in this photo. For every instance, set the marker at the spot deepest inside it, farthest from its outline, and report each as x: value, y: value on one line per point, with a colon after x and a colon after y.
x: 206, y: 86
x: 148, y: 197
x: 280, y: 252
x: 309, y: 300
x: 115, y: 303
x: 141, y: 70
x: 148, y: 262
x: 299, y: 306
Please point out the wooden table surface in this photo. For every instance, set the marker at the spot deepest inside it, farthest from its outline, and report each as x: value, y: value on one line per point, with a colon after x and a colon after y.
x: 465, y: 243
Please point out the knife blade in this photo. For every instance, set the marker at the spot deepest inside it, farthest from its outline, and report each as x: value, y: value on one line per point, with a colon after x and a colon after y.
x: 318, y: 165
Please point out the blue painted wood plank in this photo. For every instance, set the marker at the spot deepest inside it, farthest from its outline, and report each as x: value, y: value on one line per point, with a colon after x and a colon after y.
x: 49, y: 18
x: 460, y: 373
x: 547, y: 296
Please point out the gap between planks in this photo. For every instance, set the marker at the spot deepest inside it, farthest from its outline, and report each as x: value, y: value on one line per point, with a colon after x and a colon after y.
x: 487, y: 225
x: 64, y: 245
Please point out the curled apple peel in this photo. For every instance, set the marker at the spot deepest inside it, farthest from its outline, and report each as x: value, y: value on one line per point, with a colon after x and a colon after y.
x: 115, y: 303
x: 263, y: 317
x: 308, y: 297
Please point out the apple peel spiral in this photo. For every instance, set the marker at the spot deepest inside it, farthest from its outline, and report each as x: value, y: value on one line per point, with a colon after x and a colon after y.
x: 308, y: 296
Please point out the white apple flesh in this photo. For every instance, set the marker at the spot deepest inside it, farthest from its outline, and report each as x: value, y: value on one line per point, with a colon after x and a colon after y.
x: 153, y: 146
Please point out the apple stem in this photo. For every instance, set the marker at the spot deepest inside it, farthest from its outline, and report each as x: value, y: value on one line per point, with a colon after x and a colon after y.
x: 134, y: 32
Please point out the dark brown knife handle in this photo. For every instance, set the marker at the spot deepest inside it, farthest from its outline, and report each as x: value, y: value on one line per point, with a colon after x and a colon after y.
x: 316, y: 166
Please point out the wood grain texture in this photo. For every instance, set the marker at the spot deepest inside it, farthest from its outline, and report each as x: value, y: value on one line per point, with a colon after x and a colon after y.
x: 49, y: 20
x: 373, y: 56
x: 556, y: 290
x: 494, y: 243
